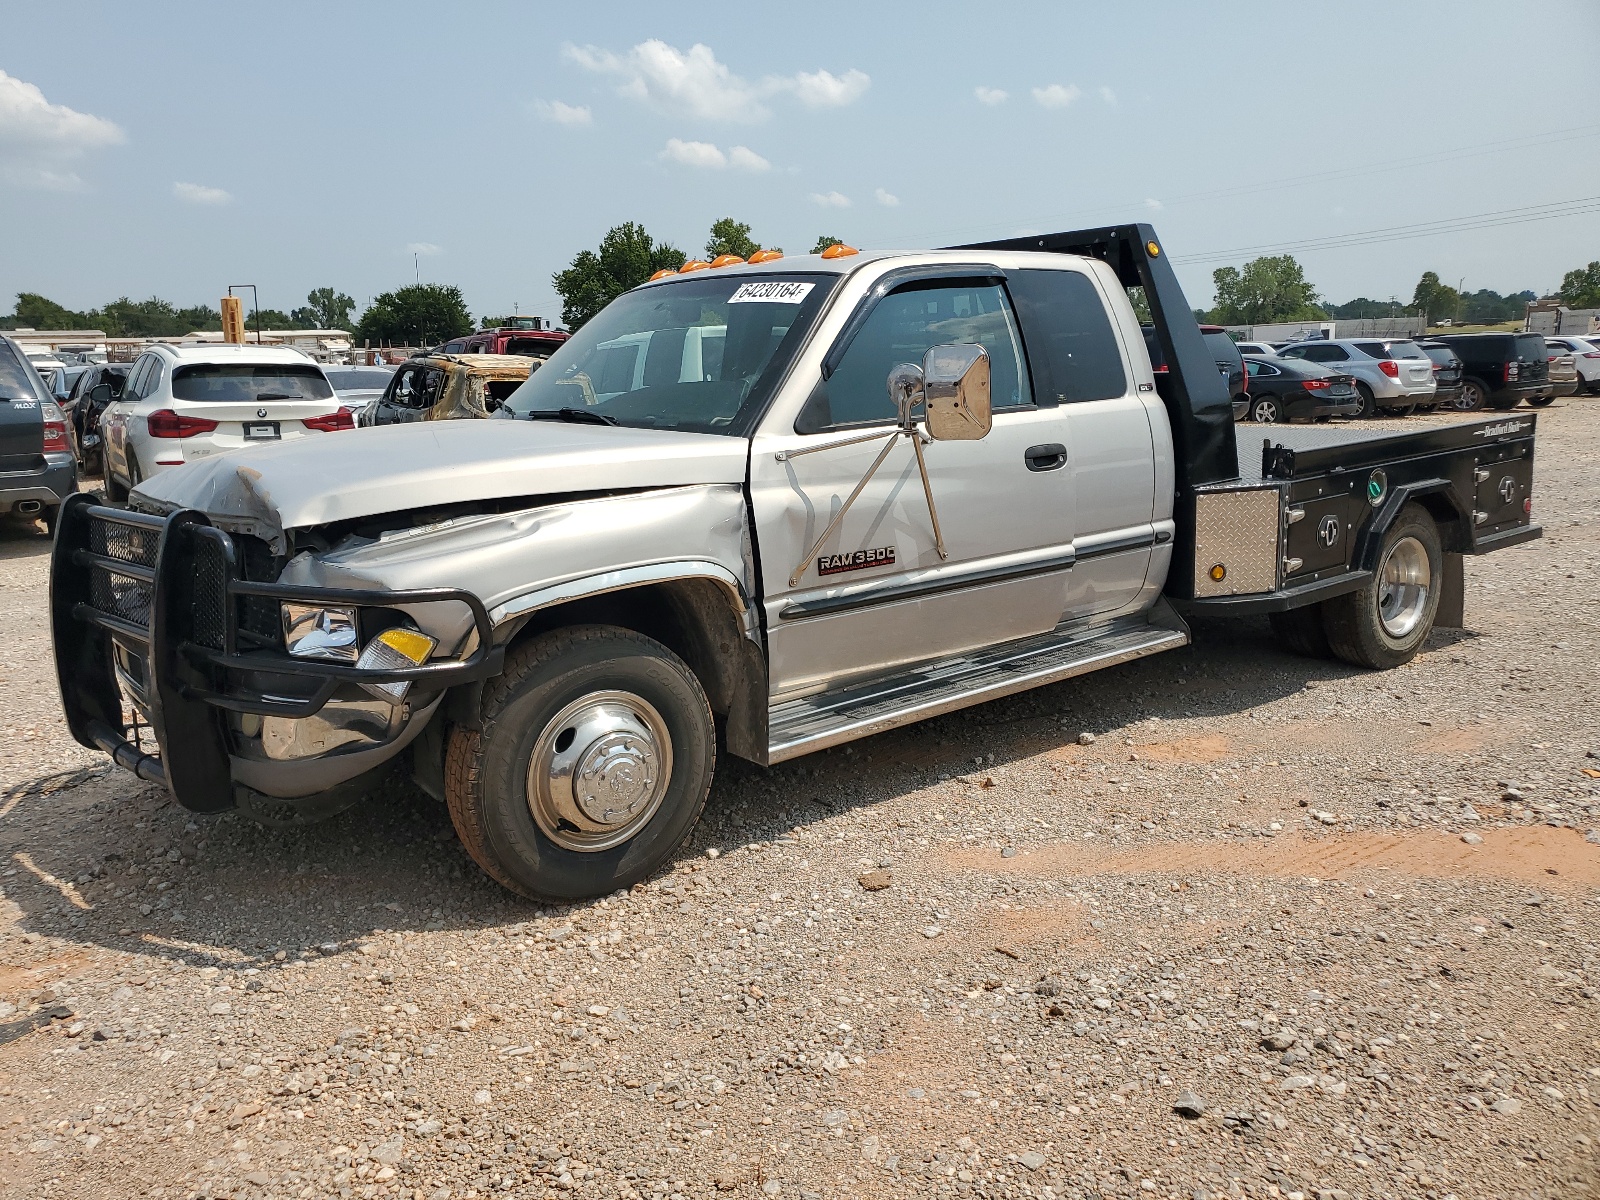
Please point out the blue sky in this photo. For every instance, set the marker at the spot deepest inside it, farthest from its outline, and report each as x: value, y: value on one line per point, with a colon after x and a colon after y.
x: 173, y: 149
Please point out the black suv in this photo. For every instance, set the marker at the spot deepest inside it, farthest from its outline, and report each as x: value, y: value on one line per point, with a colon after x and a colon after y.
x: 1500, y: 369
x: 1225, y: 352
x: 1448, y: 392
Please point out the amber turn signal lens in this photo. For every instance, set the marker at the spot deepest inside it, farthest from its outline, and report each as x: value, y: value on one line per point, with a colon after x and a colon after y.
x: 839, y: 250
x: 726, y: 260
x: 694, y: 264
x: 1153, y: 250
x: 1219, y: 573
x: 761, y: 256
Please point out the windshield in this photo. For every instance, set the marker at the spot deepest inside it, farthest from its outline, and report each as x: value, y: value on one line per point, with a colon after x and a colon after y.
x: 222, y: 383
x: 700, y: 355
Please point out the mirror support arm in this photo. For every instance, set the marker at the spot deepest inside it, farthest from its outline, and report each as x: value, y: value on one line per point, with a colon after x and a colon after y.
x: 927, y: 490
x: 800, y: 567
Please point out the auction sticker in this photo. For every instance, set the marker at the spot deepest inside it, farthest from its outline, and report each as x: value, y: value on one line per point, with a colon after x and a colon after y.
x: 774, y: 291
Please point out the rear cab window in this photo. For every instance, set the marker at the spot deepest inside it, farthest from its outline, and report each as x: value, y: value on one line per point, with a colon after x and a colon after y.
x: 1073, y: 350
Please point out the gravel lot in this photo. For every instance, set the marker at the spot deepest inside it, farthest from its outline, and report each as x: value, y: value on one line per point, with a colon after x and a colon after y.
x: 1270, y: 927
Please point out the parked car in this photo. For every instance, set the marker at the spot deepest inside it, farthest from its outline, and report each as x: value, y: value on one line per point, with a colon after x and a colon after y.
x: 1563, y: 368
x: 1391, y: 376
x: 1585, y: 357
x: 1282, y: 389
x: 1261, y: 349
x: 37, y: 469
x: 446, y: 387
x: 359, y: 388
x: 1446, y: 376
x: 83, y: 412
x: 1225, y: 353
x: 527, y: 336
x: 1499, y: 370
x: 183, y: 403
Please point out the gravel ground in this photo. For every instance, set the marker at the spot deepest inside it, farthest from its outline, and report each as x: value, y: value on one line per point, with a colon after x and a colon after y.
x: 1221, y: 923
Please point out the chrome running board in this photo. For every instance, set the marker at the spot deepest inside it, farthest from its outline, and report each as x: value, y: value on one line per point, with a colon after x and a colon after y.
x: 801, y: 726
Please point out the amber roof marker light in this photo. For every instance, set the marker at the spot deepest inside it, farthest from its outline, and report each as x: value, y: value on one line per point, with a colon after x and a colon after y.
x: 839, y: 250
x: 725, y: 260
x: 663, y: 273
x: 762, y: 256
x: 694, y: 264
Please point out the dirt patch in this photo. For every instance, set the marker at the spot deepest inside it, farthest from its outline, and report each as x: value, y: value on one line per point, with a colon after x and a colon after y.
x: 1449, y: 741
x: 16, y: 979
x: 1557, y: 859
x: 1211, y: 748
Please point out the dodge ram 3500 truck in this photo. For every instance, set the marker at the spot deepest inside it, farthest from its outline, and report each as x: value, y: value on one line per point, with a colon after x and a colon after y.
x: 792, y: 503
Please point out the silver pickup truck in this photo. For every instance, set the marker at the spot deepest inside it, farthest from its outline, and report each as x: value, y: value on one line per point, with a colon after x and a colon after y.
x: 791, y: 504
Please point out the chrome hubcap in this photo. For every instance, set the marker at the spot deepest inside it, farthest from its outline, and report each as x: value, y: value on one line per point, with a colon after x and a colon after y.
x: 599, y: 771
x: 1403, y: 594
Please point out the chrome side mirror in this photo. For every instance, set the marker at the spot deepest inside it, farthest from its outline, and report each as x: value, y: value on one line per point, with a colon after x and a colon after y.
x: 955, y: 393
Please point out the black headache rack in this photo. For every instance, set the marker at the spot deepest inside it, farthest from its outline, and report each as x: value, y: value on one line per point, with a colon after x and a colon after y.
x: 1195, y: 395
x: 157, y: 600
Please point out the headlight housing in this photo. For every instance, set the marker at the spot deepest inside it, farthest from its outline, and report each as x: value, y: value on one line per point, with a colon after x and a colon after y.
x: 317, y: 631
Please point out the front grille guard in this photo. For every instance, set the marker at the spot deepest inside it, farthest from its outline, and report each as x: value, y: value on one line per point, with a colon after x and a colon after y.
x: 199, y: 662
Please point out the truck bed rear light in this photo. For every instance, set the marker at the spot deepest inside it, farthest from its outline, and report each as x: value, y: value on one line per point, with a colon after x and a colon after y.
x: 345, y: 418
x: 1390, y: 368
x: 164, y: 423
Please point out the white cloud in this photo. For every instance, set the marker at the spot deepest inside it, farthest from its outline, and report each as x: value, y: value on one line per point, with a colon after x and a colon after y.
x: 1108, y: 95
x: 695, y: 83
x: 558, y: 113
x: 1055, y: 95
x: 745, y: 159
x: 425, y: 249
x: 198, y: 193
x: 887, y: 199
x: 694, y: 154
x: 823, y: 89
x: 1153, y: 205
x: 830, y: 199
x: 39, y: 139
x: 990, y: 96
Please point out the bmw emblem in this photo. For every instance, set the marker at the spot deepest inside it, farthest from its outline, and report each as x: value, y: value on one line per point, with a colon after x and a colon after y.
x: 261, y: 412
x: 1328, y: 531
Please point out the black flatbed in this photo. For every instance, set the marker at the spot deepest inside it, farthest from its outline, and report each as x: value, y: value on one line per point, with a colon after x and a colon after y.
x: 1291, y: 452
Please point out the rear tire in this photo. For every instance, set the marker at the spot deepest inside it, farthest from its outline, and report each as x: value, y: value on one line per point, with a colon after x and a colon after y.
x: 1542, y: 401
x: 1301, y: 631
x: 592, y: 766
x: 1266, y: 410
x: 1384, y: 624
x: 1503, y: 405
x: 1403, y: 412
x: 1474, y: 396
x: 1369, y: 402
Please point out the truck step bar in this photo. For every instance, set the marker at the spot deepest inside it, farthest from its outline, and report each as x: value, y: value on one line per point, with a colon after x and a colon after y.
x: 799, y: 727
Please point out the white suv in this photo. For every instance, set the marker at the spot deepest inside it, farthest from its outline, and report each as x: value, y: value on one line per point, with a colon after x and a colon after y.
x: 182, y: 403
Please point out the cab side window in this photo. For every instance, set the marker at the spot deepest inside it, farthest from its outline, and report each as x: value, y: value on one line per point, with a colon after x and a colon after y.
x: 1076, y: 354
x: 1322, y: 354
x: 905, y: 324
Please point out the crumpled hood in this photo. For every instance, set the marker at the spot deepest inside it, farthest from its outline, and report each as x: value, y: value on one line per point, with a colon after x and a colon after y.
x: 340, y: 476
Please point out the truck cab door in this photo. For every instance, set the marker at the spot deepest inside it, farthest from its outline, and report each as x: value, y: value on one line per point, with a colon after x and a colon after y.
x: 875, y: 595
x: 1089, y: 361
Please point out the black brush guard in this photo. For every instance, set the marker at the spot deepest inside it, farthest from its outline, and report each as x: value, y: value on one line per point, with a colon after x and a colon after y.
x: 167, y: 591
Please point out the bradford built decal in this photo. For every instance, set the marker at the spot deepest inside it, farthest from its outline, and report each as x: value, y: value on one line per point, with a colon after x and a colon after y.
x: 1502, y: 429
x: 855, y: 560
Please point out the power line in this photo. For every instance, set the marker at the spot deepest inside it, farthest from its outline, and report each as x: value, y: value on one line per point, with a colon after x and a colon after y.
x: 1398, y: 233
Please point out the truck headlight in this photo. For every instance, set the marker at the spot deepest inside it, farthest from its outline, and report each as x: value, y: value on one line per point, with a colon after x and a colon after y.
x: 316, y: 632
x: 394, y: 650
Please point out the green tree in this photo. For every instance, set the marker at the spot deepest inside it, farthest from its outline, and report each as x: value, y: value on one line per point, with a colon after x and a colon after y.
x: 824, y: 242
x: 325, y: 309
x: 628, y: 256
x: 731, y: 237
x: 1437, y: 301
x: 1271, y: 288
x: 37, y: 312
x: 1579, y: 289
x: 420, y: 314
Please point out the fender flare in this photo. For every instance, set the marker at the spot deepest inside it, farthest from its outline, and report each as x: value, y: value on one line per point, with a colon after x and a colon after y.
x: 1435, y: 495
x: 583, y: 587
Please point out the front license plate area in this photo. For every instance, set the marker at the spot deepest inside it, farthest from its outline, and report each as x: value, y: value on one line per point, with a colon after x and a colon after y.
x: 261, y: 431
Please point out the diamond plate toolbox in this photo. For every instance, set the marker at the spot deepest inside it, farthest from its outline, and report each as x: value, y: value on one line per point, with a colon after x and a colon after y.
x: 1239, y: 531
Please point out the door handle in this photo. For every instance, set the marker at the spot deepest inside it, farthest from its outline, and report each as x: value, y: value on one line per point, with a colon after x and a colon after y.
x: 1052, y: 456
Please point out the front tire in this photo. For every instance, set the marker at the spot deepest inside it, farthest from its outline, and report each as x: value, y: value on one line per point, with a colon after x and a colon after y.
x: 1384, y: 624
x: 592, y: 766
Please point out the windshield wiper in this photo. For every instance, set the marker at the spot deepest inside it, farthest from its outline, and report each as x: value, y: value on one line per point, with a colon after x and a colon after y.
x: 275, y: 396
x: 577, y: 416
